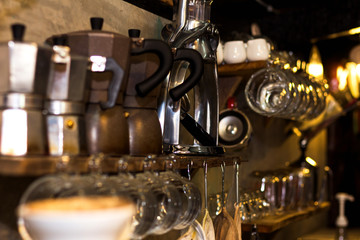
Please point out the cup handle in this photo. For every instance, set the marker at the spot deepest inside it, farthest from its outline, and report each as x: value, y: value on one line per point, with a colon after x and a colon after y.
x: 163, y: 51
x: 197, y: 69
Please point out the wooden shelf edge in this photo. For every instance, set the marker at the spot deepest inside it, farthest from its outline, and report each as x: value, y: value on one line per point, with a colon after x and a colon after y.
x: 272, y: 223
x: 41, y: 165
x: 239, y: 68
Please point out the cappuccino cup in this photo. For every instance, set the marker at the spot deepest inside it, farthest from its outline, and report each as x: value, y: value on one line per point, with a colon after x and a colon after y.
x: 257, y: 49
x: 74, y: 218
x: 234, y: 52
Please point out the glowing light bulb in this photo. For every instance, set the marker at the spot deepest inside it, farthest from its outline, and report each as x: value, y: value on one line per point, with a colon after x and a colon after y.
x: 315, y: 67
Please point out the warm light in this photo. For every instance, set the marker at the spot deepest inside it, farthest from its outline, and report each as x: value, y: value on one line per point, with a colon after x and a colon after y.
x: 297, y: 132
x: 286, y: 66
x: 303, y: 65
x: 299, y: 64
x: 354, y: 31
x: 341, y: 75
x: 316, y: 70
x: 349, y: 77
x: 315, y: 67
x: 326, y: 86
x: 305, y: 171
x: 311, y: 161
x: 357, y: 69
x: 301, y: 87
x: 352, y: 79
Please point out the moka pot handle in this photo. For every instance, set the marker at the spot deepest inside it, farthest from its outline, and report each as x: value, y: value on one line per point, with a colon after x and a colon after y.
x: 102, y: 64
x: 196, y: 65
x: 163, y: 51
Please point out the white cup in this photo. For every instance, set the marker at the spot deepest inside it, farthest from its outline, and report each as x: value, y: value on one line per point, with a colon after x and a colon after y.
x: 49, y: 222
x: 234, y: 52
x: 257, y: 49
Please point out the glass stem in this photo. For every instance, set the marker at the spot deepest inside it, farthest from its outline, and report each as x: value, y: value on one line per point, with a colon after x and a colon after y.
x: 205, y: 185
x: 223, y: 184
x: 237, y: 181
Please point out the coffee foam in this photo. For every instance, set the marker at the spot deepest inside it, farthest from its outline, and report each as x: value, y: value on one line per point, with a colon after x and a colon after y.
x: 76, y: 203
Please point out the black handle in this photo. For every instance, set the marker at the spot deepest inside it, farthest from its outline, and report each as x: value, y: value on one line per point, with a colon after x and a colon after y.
x: 18, y: 31
x: 115, y: 83
x: 197, y: 69
x: 163, y: 51
x: 196, y: 130
x: 96, y: 23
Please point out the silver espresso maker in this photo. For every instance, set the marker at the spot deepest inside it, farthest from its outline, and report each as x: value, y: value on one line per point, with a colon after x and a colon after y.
x: 190, y: 122
x: 142, y: 105
x: 67, y: 93
x: 23, y: 82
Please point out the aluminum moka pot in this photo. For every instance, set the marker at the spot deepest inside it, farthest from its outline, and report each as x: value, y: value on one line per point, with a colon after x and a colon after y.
x: 107, y: 129
x: 144, y: 128
x: 66, y: 96
x: 24, y: 65
x: 24, y: 75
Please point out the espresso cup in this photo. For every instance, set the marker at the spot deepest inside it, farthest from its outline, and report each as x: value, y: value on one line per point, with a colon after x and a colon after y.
x: 257, y: 49
x: 234, y: 52
x: 105, y: 218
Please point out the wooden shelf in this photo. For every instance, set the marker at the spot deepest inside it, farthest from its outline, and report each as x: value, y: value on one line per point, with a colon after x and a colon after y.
x: 41, y: 165
x: 240, y: 68
x: 272, y: 223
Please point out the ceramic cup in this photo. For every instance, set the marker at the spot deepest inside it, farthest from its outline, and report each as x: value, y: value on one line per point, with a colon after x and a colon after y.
x: 76, y: 218
x: 234, y: 52
x: 257, y: 49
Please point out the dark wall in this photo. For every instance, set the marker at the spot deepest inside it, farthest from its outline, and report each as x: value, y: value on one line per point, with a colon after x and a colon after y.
x: 344, y: 159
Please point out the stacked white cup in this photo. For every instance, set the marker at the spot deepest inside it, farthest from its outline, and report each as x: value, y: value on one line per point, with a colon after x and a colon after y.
x: 257, y: 49
x: 238, y: 51
x: 234, y: 52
